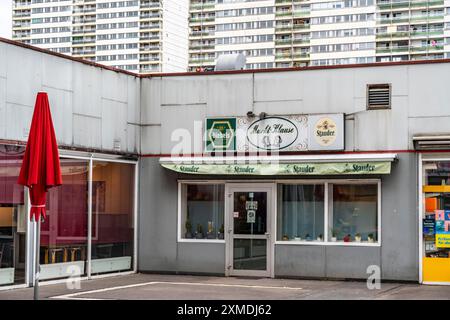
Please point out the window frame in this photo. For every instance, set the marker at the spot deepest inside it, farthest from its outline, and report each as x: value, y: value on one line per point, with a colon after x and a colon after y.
x: 180, y: 211
x: 327, y: 225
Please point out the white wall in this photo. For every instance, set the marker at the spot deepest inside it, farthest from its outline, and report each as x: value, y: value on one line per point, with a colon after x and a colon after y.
x: 91, y: 107
x: 420, y: 102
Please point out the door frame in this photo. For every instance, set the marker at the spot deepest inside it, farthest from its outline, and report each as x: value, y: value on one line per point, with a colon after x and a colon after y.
x: 271, y: 190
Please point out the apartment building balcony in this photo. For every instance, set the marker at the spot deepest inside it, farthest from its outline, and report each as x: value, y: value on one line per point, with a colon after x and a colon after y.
x: 149, y: 59
x: 406, y: 49
x: 21, y: 25
x: 83, y: 42
x: 149, y: 38
x: 83, y: 10
x: 21, y: 14
x: 202, y: 6
x: 201, y: 61
x: 289, y: 56
x: 150, y: 26
x: 202, y: 47
x: 21, y: 4
x: 150, y: 16
x: 150, y: 5
x: 292, y: 13
x: 289, y: 28
x: 291, y: 42
x: 394, y: 5
x: 200, y: 20
x: 83, y: 31
x: 202, y: 34
x: 82, y: 53
x: 148, y: 68
x: 426, y: 18
x: 149, y: 48
x: 86, y: 20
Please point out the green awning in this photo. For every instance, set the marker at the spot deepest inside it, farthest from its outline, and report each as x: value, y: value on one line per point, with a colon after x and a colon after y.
x: 270, y: 169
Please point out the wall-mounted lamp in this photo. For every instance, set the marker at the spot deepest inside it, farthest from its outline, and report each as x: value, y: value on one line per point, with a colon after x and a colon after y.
x: 263, y: 115
x: 251, y: 114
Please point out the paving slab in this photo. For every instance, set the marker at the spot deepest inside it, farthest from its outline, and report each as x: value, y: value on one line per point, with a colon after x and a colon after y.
x: 185, y: 287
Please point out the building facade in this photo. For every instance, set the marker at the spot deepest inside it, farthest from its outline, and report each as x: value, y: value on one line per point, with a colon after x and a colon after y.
x: 324, y: 172
x: 140, y: 36
x: 291, y: 33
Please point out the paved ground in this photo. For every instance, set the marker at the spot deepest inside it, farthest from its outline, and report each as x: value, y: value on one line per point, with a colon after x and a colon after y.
x: 177, y: 287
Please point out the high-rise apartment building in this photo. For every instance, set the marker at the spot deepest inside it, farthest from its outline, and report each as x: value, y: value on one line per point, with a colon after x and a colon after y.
x: 287, y: 33
x: 138, y: 35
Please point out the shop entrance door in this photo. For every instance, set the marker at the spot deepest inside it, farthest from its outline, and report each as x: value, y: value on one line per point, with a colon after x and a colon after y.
x: 250, y: 211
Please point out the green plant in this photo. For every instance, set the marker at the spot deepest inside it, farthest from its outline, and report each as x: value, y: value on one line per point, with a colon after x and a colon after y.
x: 199, y: 228
x: 358, y: 235
x: 334, y: 232
x: 188, y: 225
x: 222, y: 229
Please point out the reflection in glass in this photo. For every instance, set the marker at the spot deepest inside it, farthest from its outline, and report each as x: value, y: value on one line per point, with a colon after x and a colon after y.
x: 250, y: 254
x: 353, y: 214
x: 250, y: 212
x: 64, y: 232
x: 112, y: 216
x: 301, y: 212
x: 203, y: 211
x: 13, y: 217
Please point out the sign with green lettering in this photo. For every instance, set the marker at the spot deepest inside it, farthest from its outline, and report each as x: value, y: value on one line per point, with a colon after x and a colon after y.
x: 263, y: 169
x: 220, y: 134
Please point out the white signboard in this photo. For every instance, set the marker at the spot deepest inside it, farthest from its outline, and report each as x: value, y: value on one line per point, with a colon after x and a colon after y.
x: 290, y: 133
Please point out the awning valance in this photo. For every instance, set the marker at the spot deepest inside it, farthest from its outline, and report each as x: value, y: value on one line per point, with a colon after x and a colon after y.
x: 342, y: 164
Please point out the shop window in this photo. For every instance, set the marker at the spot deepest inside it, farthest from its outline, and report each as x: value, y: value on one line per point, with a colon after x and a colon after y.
x: 436, y: 222
x: 353, y: 212
x: 112, y: 216
x: 301, y: 212
x: 13, y: 217
x: 202, y: 214
x: 64, y: 233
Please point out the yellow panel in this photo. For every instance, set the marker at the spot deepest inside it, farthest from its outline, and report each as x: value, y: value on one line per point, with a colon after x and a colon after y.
x: 436, y: 188
x: 436, y: 269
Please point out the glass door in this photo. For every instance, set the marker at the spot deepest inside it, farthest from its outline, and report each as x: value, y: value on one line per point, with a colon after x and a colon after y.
x: 249, y: 246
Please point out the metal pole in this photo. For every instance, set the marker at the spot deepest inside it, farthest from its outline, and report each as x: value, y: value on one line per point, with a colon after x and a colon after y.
x: 37, y: 255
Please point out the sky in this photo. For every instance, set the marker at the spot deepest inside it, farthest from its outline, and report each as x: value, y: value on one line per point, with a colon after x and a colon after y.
x: 5, y: 18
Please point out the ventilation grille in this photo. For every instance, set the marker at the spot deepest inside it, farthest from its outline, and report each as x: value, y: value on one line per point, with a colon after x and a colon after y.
x: 378, y: 96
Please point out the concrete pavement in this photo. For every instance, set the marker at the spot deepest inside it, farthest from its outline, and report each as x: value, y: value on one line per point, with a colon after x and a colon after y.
x: 182, y: 287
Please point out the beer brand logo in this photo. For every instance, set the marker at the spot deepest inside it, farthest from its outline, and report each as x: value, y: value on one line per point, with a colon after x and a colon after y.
x: 325, y: 132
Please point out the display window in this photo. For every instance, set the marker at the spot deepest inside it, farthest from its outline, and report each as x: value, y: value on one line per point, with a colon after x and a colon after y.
x: 13, y: 218
x: 202, y: 211
x: 332, y: 212
x: 436, y: 222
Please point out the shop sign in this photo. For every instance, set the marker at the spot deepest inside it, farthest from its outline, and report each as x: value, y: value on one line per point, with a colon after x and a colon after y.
x: 284, y: 169
x: 220, y: 134
x: 275, y: 133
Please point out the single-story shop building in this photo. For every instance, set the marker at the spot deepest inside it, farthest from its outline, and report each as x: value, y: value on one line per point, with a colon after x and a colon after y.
x: 319, y: 172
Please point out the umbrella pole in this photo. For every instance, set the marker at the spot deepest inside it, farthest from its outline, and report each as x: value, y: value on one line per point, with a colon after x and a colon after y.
x: 37, y: 253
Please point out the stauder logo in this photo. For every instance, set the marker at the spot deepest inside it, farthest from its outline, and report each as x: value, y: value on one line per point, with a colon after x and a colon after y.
x: 325, y: 132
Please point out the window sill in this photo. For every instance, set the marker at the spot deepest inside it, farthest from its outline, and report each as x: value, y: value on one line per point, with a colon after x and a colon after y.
x: 201, y: 241
x: 337, y: 243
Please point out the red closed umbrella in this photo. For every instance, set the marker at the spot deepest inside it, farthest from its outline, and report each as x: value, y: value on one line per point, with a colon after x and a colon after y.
x: 40, y: 169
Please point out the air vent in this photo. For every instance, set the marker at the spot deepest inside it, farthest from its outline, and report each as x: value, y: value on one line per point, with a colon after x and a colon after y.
x: 378, y: 96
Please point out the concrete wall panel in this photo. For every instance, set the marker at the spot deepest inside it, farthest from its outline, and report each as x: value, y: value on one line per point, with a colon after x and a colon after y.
x: 88, y: 131
x: 300, y: 261
x: 62, y: 114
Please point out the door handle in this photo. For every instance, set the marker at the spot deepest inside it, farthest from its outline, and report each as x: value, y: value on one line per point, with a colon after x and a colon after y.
x: 267, y: 234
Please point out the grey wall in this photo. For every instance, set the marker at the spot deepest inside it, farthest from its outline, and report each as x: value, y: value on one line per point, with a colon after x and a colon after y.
x: 419, y: 97
x: 397, y: 257
x: 158, y: 246
x: 91, y: 107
